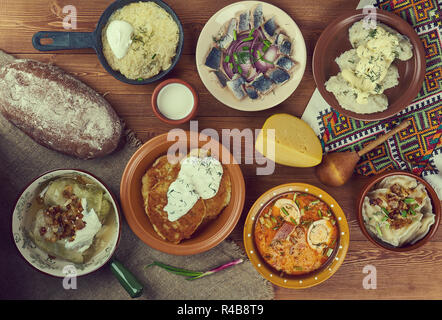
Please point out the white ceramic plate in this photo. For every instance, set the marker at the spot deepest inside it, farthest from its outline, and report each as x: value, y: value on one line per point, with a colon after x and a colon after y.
x: 280, y: 93
x: 38, y: 258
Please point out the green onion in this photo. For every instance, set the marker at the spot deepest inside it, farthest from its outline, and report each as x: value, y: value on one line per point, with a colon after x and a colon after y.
x: 412, y: 211
x: 251, y: 32
x: 385, y: 211
x: 245, y: 48
x: 239, y: 69
x: 267, y: 43
x: 314, y: 202
x: 284, y: 211
x: 329, y: 212
x: 261, y: 219
x: 273, y: 219
x: 329, y: 252
x: 333, y: 222
x: 294, y: 196
x: 409, y: 200
x: 378, y: 229
x: 230, y: 65
x: 404, y: 213
x: 227, y: 58
x: 234, y: 35
x: 247, y: 39
x: 302, y: 212
x: 333, y: 243
x: 192, y: 275
x: 235, y: 57
x: 293, y: 220
x: 297, y: 203
x: 298, y: 268
x: 140, y: 79
x: 154, y: 56
x: 319, y: 213
x: 372, y: 33
x: 385, y: 218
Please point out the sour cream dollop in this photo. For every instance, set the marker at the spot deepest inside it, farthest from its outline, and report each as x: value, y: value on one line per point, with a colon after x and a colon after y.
x: 84, y: 237
x: 119, y: 35
x: 198, y: 178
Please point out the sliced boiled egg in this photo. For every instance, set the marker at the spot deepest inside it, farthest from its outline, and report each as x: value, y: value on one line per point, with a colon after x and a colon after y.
x: 288, y: 210
x: 319, y: 234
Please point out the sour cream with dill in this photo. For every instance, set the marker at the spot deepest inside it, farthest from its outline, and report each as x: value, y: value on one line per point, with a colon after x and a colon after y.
x: 198, y: 178
x: 175, y: 101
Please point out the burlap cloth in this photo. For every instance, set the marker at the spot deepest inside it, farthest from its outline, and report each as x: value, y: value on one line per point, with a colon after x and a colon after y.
x: 21, y: 160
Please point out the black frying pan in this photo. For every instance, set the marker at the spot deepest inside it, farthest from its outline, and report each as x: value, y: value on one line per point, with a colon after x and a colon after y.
x: 78, y: 40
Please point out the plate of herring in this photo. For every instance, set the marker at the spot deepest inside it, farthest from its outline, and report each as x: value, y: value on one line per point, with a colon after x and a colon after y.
x: 251, y: 55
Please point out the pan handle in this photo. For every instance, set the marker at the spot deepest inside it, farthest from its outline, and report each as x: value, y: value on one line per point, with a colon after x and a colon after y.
x: 126, y: 279
x: 63, y: 40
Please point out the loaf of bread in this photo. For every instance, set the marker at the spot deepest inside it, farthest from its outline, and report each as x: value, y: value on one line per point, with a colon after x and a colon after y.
x: 56, y: 109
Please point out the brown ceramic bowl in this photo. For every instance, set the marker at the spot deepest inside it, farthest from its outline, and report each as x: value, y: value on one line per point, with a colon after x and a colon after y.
x: 132, y: 201
x: 434, y: 201
x: 162, y: 117
x: 334, y: 41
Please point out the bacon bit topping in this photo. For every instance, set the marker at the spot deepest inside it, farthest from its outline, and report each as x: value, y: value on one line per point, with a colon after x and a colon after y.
x: 64, y: 223
x: 399, y: 223
x: 42, y: 231
x: 67, y: 192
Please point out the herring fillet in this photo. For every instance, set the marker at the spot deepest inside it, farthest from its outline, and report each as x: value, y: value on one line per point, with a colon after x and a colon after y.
x: 244, y: 21
x: 258, y: 17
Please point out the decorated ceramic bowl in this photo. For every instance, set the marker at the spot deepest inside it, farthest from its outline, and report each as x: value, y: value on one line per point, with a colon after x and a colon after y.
x: 307, y: 279
x: 41, y: 260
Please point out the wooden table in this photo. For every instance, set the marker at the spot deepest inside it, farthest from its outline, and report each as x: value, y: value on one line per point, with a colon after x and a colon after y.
x: 408, y: 275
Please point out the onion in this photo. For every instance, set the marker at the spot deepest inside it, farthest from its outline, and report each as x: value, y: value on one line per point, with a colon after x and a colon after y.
x: 251, y: 69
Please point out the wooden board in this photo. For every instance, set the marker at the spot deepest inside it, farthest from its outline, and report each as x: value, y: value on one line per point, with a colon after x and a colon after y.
x: 399, y: 276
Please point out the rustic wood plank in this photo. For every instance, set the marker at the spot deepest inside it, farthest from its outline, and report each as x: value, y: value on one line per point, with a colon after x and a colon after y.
x: 399, y: 276
x: 19, y: 20
x: 405, y: 275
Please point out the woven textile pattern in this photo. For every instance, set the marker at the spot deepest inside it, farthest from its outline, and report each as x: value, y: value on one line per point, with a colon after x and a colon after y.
x: 415, y: 148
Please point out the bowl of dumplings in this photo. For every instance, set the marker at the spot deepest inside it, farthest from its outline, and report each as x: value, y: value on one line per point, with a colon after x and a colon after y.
x: 66, y: 221
x: 398, y: 211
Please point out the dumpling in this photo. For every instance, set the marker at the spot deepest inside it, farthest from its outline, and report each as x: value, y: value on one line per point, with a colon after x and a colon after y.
x: 92, y: 193
x: 54, y: 248
x: 404, y: 181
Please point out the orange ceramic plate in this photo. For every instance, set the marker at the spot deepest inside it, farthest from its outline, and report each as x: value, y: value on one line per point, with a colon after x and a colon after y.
x: 301, y: 281
x: 133, y: 206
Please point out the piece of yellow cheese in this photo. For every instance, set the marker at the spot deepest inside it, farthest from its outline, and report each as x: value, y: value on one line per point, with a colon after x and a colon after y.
x: 295, y: 143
